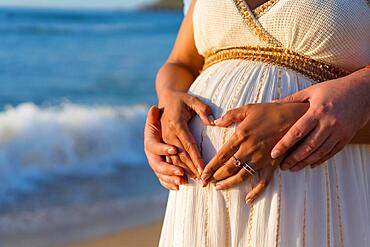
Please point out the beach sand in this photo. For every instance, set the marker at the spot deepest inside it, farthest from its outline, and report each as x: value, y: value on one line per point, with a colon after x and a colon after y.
x: 143, y: 236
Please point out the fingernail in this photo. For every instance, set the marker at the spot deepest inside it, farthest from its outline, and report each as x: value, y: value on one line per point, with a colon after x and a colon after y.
x: 199, y: 182
x: 174, y: 188
x: 211, y: 119
x: 204, y: 183
x: 217, y: 121
x: 218, y: 187
x: 171, y: 151
x: 179, y: 173
x: 205, y: 176
x: 249, y: 200
x: 275, y: 154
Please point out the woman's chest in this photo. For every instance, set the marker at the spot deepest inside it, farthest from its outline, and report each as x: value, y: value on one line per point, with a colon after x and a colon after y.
x: 322, y: 29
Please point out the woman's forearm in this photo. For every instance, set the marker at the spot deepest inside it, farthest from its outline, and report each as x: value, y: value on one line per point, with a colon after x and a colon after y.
x: 173, y: 77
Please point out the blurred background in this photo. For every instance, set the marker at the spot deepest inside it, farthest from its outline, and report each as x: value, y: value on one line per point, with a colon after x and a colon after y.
x: 76, y: 80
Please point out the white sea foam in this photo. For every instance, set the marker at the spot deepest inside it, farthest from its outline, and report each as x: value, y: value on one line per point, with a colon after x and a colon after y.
x: 37, y: 142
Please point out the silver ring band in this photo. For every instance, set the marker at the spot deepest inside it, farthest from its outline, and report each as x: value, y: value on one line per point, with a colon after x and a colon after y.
x: 248, y: 167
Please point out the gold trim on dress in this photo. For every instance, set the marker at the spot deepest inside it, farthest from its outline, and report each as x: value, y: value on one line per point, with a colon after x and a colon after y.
x: 277, y: 237
x: 339, y: 208
x: 316, y: 70
x: 260, y: 10
x: 328, y: 221
x: 254, y: 24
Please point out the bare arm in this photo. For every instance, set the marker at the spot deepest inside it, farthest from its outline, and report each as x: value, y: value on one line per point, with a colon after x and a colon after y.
x: 173, y: 81
x: 184, y: 62
x: 363, y: 135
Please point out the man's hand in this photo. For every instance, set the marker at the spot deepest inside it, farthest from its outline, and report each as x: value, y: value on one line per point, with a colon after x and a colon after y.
x: 169, y: 175
x: 338, y: 109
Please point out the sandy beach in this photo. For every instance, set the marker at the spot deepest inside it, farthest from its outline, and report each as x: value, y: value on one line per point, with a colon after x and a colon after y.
x: 146, y: 236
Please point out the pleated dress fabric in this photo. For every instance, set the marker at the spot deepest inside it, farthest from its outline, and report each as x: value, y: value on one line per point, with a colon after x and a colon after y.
x: 325, y: 206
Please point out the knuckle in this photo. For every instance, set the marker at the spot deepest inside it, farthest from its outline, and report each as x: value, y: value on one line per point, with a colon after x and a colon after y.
x: 223, y: 157
x: 324, y: 109
x: 189, y: 146
x: 172, y: 124
x: 229, y: 170
x: 240, y: 134
x: 203, y: 108
x: 309, y: 147
x: 297, y: 133
x: 193, y: 100
x: 333, y: 122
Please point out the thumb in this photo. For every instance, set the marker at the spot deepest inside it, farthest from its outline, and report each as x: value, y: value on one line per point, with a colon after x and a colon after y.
x: 153, y: 136
x: 298, y: 97
x: 153, y: 116
x: 230, y: 117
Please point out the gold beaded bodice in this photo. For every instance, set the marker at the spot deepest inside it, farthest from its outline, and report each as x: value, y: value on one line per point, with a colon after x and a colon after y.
x: 319, y: 39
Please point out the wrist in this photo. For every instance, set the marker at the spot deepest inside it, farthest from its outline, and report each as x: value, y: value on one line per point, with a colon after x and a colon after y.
x: 361, y: 81
x: 166, y: 95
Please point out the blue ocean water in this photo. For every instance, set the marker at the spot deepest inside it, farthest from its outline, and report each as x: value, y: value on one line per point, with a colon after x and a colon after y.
x: 74, y: 90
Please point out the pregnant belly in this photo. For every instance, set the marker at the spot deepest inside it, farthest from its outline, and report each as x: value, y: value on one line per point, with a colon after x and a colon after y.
x: 234, y: 83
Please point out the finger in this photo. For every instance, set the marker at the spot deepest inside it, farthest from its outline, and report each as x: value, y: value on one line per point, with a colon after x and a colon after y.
x: 230, y: 168
x: 168, y: 185
x: 338, y: 147
x: 222, y: 156
x: 232, y: 116
x: 320, y: 153
x: 310, y: 144
x: 165, y: 168
x: 153, y: 115
x: 158, y: 148
x: 190, y: 170
x: 225, y: 171
x: 153, y: 136
x: 172, y: 180
x: 233, y: 180
x: 261, y: 185
x: 300, y: 96
x: 189, y: 144
x: 299, y: 130
x: 158, y: 165
x: 203, y: 110
x: 183, y: 160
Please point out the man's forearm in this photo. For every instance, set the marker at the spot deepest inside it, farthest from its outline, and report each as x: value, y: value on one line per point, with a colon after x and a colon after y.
x: 363, y: 135
x: 363, y: 77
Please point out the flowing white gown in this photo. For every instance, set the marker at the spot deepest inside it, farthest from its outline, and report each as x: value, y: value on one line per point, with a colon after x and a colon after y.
x: 325, y: 206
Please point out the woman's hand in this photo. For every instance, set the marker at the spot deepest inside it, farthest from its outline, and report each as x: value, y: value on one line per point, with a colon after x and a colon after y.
x: 169, y: 175
x: 178, y: 110
x: 338, y: 109
x: 261, y: 126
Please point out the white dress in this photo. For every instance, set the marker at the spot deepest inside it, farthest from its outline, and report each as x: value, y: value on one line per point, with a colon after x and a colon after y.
x: 325, y: 206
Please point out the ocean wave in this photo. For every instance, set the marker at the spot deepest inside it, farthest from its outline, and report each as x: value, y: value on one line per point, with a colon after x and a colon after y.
x: 118, y: 28
x: 39, y: 142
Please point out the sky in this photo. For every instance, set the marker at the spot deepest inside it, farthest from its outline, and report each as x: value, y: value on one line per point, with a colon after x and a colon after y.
x: 74, y: 3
